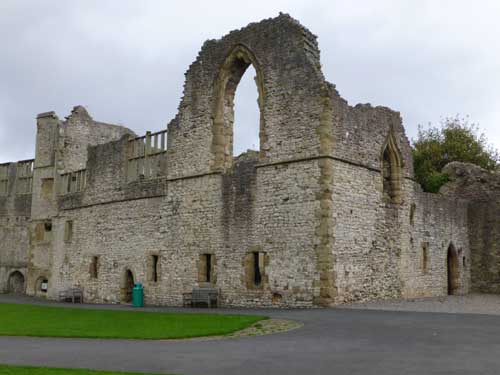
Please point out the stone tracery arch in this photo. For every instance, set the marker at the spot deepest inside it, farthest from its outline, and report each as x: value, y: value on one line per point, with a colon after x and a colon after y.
x: 392, y: 170
x: 233, y: 68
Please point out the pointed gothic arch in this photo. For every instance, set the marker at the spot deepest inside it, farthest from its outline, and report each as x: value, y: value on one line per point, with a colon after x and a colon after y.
x: 233, y: 68
x: 392, y: 170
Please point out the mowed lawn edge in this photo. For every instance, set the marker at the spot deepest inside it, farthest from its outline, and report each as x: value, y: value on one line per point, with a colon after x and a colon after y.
x: 48, y: 321
x: 28, y: 370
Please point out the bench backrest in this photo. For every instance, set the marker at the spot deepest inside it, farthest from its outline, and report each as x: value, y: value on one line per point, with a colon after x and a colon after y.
x: 203, y: 293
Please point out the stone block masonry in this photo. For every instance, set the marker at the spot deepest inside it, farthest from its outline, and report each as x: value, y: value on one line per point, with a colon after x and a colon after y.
x: 326, y: 212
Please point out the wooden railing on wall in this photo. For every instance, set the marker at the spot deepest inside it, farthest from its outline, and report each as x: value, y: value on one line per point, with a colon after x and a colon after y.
x: 146, y: 156
x: 25, y: 176
x: 4, y: 179
x: 73, y: 182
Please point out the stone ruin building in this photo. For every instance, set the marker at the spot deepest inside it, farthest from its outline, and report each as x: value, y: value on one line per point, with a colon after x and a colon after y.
x: 326, y: 212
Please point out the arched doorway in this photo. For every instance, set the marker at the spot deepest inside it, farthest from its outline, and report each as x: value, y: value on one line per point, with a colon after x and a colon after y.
x: 41, y: 286
x: 15, y: 284
x: 128, y: 286
x: 453, y: 270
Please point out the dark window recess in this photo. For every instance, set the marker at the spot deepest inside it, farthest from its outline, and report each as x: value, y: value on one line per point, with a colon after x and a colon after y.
x: 48, y: 227
x: 94, y: 266
x: 154, y: 275
x: 208, y: 267
x: 257, y: 276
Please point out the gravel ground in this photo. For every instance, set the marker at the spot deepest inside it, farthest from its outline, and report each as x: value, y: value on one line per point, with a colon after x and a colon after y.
x: 469, y: 304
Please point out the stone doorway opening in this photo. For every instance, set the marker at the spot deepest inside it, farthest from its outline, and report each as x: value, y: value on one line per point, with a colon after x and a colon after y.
x: 128, y: 286
x: 16, y: 283
x: 453, y: 271
x: 41, y: 286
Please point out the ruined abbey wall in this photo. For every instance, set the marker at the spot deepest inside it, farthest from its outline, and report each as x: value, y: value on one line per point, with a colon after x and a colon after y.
x: 60, y: 145
x: 15, y: 212
x: 373, y: 259
x: 326, y: 211
x: 482, y: 190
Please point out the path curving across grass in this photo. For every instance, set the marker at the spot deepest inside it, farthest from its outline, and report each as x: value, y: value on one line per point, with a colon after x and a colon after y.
x: 45, y: 321
x: 27, y: 370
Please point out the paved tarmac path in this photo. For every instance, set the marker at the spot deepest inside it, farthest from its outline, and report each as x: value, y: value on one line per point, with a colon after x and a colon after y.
x: 332, y: 341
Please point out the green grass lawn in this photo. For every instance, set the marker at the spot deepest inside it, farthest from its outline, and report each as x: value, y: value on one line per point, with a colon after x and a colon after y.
x: 43, y: 321
x: 23, y: 370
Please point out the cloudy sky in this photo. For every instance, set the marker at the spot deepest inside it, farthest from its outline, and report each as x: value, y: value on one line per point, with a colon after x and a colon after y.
x: 125, y: 60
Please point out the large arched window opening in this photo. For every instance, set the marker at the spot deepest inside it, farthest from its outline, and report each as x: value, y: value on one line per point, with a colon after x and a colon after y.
x: 231, y: 73
x: 392, y: 171
x: 246, y: 118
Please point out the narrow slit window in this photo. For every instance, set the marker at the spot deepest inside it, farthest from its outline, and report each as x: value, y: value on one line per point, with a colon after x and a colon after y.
x: 425, y: 258
x: 208, y: 268
x: 68, y: 231
x: 257, y: 279
x: 205, y: 266
x: 94, y: 267
x: 154, y: 268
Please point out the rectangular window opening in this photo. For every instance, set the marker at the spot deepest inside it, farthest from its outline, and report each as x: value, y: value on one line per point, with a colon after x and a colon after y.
x: 94, y: 266
x: 256, y: 269
x: 154, y: 275
x: 47, y: 187
x: 208, y: 268
x: 68, y: 231
x: 425, y: 258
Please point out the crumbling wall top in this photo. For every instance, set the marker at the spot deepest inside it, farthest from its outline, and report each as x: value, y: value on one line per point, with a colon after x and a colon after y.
x: 50, y: 114
x: 472, y: 182
x: 290, y: 86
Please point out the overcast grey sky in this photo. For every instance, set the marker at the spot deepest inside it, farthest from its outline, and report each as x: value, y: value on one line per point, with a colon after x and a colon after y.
x: 125, y: 60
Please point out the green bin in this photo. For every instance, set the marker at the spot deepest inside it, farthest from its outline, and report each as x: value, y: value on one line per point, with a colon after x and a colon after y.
x: 138, y: 295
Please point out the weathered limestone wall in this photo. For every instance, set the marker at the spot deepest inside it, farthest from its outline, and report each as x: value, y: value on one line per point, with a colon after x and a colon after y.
x: 378, y: 247
x: 482, y: 189
x: 326, y: 212
x: 61, y: 146
x: 79, y: 131
x: 15, y: 210
x: 120, y: 234
x: 438, y: 223
x: 269, y: 209
x: 286, y: 59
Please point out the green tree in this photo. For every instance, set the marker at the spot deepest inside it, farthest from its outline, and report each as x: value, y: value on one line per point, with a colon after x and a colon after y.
x: 456, y: 139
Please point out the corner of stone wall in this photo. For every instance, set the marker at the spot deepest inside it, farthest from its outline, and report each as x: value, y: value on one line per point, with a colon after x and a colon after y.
x: 324, y: 215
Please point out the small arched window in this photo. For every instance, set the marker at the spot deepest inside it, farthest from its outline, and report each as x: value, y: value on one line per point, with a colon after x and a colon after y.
x: 392, y: 171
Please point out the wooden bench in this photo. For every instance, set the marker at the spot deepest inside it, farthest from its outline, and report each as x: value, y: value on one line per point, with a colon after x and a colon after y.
x: 205, y: 296
x: 71, y: 295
